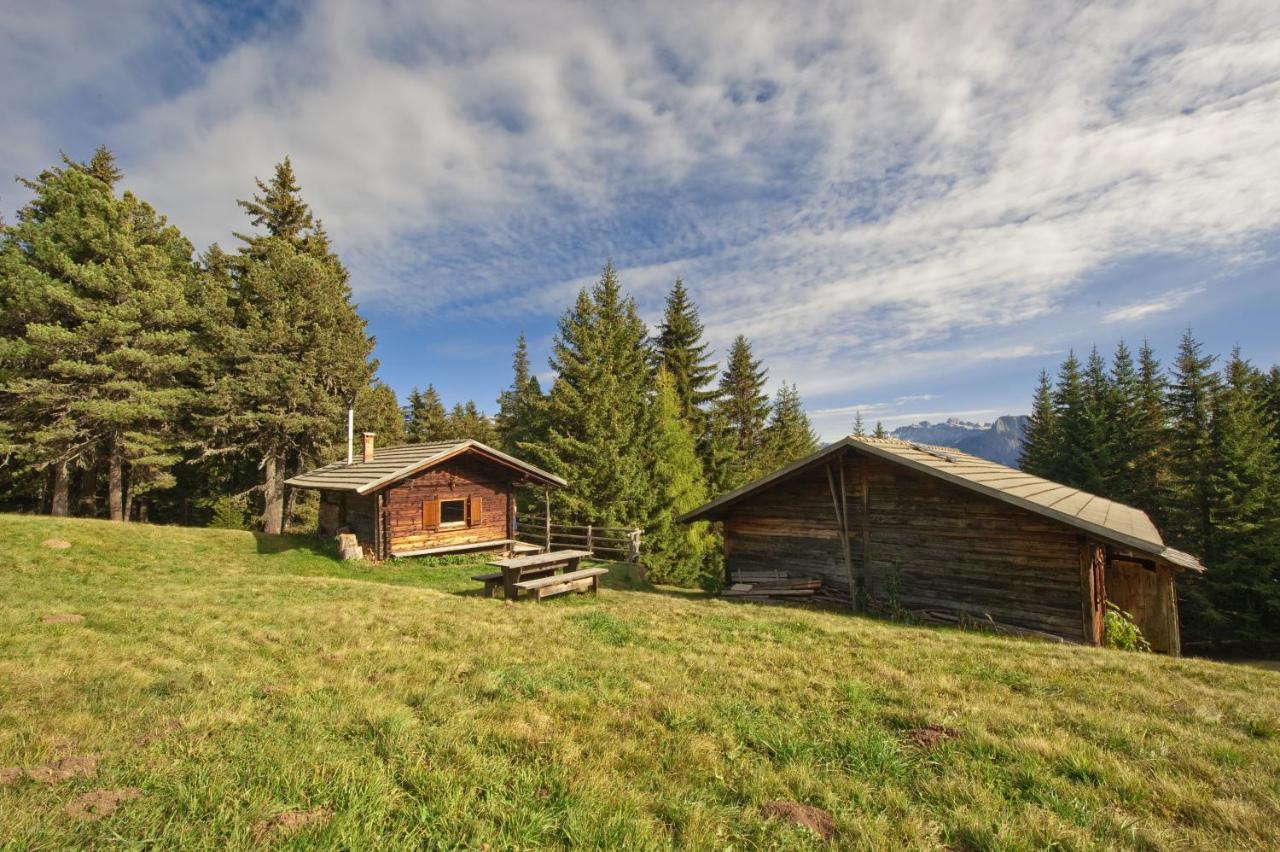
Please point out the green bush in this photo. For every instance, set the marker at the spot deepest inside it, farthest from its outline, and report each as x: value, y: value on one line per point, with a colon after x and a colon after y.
x: 229, y: 512
x: 1121, y: 632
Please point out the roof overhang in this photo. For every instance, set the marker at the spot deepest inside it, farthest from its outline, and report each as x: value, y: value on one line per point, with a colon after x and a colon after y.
x: 529, y: 474
x: 716, y: 508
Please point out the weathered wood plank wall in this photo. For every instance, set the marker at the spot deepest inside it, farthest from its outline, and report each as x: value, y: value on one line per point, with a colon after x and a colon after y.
x: 456, y: 479
x: 936, y: 546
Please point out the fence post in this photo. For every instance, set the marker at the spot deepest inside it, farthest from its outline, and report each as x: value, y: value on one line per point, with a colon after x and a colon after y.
x: 546, y: 510
x: 590, y: 537
x: 633, y: 554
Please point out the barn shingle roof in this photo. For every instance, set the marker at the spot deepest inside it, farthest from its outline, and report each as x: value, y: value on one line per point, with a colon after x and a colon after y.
x: 391, y: 464
x: 1104, y: 518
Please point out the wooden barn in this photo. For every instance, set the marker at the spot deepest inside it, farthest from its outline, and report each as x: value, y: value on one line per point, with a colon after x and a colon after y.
x: 420, y: 499
x: 951, y: 537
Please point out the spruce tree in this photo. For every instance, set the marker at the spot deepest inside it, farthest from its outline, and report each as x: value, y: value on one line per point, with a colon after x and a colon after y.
x: 519, y: 420
x: 597, y: 412
x: 297, y: 351
x: 378, y: 411
x: 425, y: 417
x: 1076, y: 430
x: 859, y: 428
x: 880, y: 431
x: 467, y: 422
x: 743, y: 407
x: 1039, y: 454
x: 97, y: 350
x: 789, y: 435
x: 1099, y: 404
x: 1150, y: 459
x: 675, y: 553
x: 681, y: 350
x: 1190, y: 400
x: 1242, y: 585
x: 1122, y: 428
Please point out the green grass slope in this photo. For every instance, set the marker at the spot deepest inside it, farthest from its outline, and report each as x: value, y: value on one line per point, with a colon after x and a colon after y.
x: 231, y: 690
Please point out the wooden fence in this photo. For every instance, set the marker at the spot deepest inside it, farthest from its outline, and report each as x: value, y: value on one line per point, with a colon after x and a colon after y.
x: 617, y: 542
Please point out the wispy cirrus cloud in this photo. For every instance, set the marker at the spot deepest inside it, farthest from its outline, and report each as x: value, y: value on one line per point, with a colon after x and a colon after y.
x: 846, y: 184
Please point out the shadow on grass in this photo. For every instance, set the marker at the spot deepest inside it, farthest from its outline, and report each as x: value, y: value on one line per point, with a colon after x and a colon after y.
x: 285, y: 543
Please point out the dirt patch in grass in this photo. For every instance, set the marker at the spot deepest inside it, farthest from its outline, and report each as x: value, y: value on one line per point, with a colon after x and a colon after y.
x: 97, y: 804
x: 816, y: 820
x: 56, y: 543
x: 9, y: 775
x: 73, y: 766
x: 931, y: 735
x: 269, y: 689
x: 62, y: 618
x: 282, y: 825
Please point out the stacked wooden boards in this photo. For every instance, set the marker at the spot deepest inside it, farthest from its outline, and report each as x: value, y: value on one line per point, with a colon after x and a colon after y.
x: 771, y: 586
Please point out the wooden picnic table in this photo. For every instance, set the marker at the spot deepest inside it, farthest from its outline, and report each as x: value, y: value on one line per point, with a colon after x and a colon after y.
x: 540, y: 576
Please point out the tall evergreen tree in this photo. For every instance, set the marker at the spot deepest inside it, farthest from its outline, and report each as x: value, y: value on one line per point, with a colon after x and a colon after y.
x: 681, y: 351
x: 1190, y: 400
x: 743, y: 405
x: 519, y: 421
x: 467, y: 422
x: 425, y: 417
x: 378, y: 411
x: 880, y: 431
x: 1076, y: 430
x: 597, y: 411
x: 1150, y: 438
x: 1122, y: 428
x: 1039, y: 454
x: 1242, y: 585
x: 297, y: 351
x: 859, y: 428
x: 97, y: 353
x: 676, y: 552
x: 789, y: 435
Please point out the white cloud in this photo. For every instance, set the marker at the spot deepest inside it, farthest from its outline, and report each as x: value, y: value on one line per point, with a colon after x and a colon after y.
x: 841, y: 184
x: 1155, y: 305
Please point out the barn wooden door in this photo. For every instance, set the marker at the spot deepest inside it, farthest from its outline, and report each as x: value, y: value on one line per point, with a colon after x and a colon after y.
x: 1093, y: 589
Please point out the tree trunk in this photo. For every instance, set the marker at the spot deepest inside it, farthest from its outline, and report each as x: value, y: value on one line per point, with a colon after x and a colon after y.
x: 87, y: 503
x: 290, y: 500
x: 273, y: 493
x: 115, y: 484
x: 61, y: 490
x: 128, y: 504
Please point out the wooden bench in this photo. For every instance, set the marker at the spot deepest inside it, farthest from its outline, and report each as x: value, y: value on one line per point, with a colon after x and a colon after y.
x: 522, y: 568
x: 588, y: 579
x: 491, y: 582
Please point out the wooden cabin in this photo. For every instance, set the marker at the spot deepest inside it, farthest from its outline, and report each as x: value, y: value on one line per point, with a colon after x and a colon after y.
x: 951, y: 537
x: 421, y: 499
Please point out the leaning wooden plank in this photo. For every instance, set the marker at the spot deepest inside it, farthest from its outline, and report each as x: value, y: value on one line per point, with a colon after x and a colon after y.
x: 772, y: 593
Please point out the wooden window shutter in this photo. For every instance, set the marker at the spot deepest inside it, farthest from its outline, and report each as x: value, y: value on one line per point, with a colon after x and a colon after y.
x: 430, y: 514
x: 475, y: 508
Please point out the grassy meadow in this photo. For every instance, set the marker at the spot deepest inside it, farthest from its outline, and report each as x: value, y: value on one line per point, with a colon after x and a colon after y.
x: 212, y: 689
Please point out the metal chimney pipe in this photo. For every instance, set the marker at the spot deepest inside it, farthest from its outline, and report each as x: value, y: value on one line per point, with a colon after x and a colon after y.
x: 351, y: 434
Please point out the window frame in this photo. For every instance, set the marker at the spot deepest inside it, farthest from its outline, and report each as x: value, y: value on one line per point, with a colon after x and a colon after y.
x: 461, y: 522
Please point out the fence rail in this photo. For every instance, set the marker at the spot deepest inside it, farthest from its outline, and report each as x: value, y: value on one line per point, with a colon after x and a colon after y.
x: 620, y: 542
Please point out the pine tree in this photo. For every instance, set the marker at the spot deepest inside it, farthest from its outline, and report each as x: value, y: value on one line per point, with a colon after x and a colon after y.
x: 682, y: 352
x: 519, y: 421
x: 1122, y: 428
x: 1074, y: 462
x: 1242, y: 586
x: 425, y: 417
x: 744, y: 405
x: 467, y: 422
x: 1039, y: 453
x: 789, y: 435
x: 1150, y: 438
x: 1099, y: 404
x: 1190, y: 400
x: 97, y: 348
x: 880, y: 431
x: 676, y: 552
x: 859, y: 430
x: 597, y: 412
x: 378, y: 411
x: 297, y: 351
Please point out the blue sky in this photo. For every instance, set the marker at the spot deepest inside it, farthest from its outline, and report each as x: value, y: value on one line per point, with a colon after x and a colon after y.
x: 909, y: 208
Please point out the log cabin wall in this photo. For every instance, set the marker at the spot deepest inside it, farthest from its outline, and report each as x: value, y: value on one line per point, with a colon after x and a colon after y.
x: 481, y: 483
x: 933, y: 545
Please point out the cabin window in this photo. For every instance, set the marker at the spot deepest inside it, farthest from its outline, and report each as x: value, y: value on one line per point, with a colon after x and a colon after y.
x: 453, y: 513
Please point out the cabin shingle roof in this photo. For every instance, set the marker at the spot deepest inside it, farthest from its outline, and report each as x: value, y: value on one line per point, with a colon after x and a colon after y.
x: 1105, y: 518
x: 391, y: 464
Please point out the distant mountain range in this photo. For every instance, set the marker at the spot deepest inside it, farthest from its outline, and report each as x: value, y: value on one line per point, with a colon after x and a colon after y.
x: 1000, y: 441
